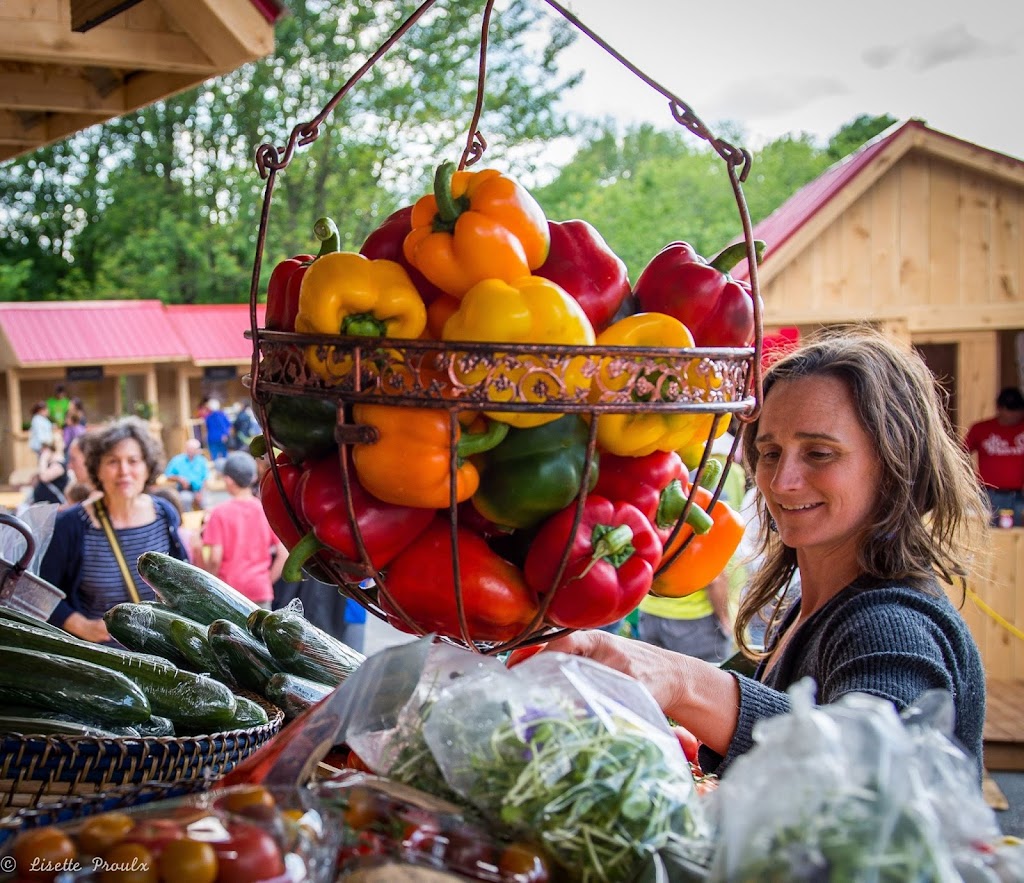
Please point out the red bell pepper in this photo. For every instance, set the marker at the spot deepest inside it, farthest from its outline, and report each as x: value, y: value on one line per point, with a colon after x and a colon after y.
x: 386, y: 243
x: 657, y: 484
x: 286, y: 279
x: 718, y: 310
x: 275, y: 507
x: 496, y: 602
x: 581, y: 262
x: 385, y: 528
x: 610, y: 568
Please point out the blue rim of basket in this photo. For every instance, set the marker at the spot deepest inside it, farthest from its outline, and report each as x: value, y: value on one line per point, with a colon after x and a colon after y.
x: 73, y: 754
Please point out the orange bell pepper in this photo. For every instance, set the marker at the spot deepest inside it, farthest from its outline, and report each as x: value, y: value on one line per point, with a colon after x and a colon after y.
x: 475, y: 226
x: 410, y: 463
x: 706, y: 555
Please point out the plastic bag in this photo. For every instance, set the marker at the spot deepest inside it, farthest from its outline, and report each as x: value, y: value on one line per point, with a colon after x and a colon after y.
x: 572, y: 752
x: 39, y: 518
x: 848, y: 791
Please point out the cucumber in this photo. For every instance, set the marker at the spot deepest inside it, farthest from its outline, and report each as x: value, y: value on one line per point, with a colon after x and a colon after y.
x: 11, y: 615
x: 305, y: 650
x: 156, y: 726
x: 192, y: 592
x: 144, y: 629
x: 250, y: 714
x: 60, y: 683
x: 254, y: 623
x: 182, y: 696
x: 76, y: 721
x: 190, y: 640
x: 246, y: 659
x: 293, y: 695
x: 32, y: 725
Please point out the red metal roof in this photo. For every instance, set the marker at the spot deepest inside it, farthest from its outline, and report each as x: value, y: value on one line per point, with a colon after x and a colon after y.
x: 90, y: 332
x: 94, y: 332
x: 214, y: 332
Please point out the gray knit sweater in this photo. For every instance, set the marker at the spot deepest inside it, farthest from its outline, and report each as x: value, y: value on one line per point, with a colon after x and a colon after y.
x: 874, y: 637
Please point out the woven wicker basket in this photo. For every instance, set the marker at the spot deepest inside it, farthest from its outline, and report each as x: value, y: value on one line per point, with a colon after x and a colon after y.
x: 37, y: 771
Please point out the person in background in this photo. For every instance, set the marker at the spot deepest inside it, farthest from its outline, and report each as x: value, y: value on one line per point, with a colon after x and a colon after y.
x: 57, y: 405
x: 52, y: 477
x: 40, y: 429
x: 873, y: 499
x: 191, y: 539
x: 244, y: 428
x: 699, y: 624
x: 83, y: 559
x: 238, y: 545
x: 999, y: 445
x: 74, y: 424
x: 218, y: 431
x: 188, y: 472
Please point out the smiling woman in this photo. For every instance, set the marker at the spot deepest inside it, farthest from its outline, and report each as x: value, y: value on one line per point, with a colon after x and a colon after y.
x: 92, y: 556
x: 872, y: 501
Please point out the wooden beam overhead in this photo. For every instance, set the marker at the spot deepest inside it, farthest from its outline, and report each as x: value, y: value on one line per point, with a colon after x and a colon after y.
x: 63, y: 93
x: 87, y: 14
x: 44, y: 42
x: 229, y: 34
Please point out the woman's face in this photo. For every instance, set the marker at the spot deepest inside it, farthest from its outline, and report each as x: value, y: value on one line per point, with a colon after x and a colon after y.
x: 817, y: 468
x: 123, y: 470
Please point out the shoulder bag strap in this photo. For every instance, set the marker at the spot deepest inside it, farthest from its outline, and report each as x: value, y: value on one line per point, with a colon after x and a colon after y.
x: 108, y: 529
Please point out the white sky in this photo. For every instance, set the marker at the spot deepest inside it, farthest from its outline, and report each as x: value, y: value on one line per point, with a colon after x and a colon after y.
x: 778, y: 66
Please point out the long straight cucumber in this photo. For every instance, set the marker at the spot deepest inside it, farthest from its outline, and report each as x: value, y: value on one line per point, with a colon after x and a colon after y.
x: 190, y: 639
x: 144, y: 628
x: 182, y: 696
x: 192, y: 592
x: 60, y: 683
x: 293, y: 695
x: 36, y: 724
x: 305, y: 650
x: 6, y: 613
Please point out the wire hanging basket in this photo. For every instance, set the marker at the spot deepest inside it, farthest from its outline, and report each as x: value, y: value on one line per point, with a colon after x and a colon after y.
x: 460, y: 379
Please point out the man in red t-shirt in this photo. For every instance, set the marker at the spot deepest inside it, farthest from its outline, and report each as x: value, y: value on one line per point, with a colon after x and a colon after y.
x: 238, y: 543
x: 999, y: 444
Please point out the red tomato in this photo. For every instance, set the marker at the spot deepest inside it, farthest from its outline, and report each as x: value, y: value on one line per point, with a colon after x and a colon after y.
x: 687, y: 741
x: 524, y: 863
x: 248, y: 856
x: 154, y: 834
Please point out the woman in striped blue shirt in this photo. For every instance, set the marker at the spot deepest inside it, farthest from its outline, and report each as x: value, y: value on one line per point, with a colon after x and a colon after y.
x: 122, y: 460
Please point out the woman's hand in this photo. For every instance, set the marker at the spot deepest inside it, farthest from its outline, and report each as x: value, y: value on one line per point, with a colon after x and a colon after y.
x: 80, y: 626
x: 695, y: 693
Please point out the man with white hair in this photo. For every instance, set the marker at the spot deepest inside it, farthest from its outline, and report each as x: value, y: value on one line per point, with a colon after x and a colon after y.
x: 188, y: 472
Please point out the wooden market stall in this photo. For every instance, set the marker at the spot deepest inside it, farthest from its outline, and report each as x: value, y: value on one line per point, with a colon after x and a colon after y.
x: 922, y: 234
x: 66, y: 65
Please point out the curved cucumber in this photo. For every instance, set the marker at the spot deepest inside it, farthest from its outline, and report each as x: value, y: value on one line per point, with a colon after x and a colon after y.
x: 192, y: 592
x: 305, y: 650
x: 248, y: 661
x: 293, y: 695
x: 191, y: 642
x: 60, y: 683
x: 144, y: 628
x: 6, y: 613
x: 182, y: 696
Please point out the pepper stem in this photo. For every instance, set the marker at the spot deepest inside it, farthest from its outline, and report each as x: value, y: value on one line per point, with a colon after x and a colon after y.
x: 731, y: 255
x: 471, y: 443
x: 448, y: 207
x: 327, y: 232
x: 300, y: 553
x: 613, y: 544
x: 363, y: 325
x: 670, y: 505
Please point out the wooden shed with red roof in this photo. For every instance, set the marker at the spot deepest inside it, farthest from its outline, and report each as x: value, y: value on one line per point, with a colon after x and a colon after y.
x: 922, y: 234
x: 119, y: 356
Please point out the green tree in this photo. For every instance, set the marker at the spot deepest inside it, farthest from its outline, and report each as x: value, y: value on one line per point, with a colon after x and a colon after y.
x: 165, y: 202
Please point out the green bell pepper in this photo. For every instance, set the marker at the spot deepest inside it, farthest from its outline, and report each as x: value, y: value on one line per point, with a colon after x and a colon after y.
x: 534, y: 472
x: 302, y: 426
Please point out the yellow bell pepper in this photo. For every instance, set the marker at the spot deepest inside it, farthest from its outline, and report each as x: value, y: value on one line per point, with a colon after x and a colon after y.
x: 528, y: 310
x: 350, y: 295
x: 476, y: 226
x: 641, y: 433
